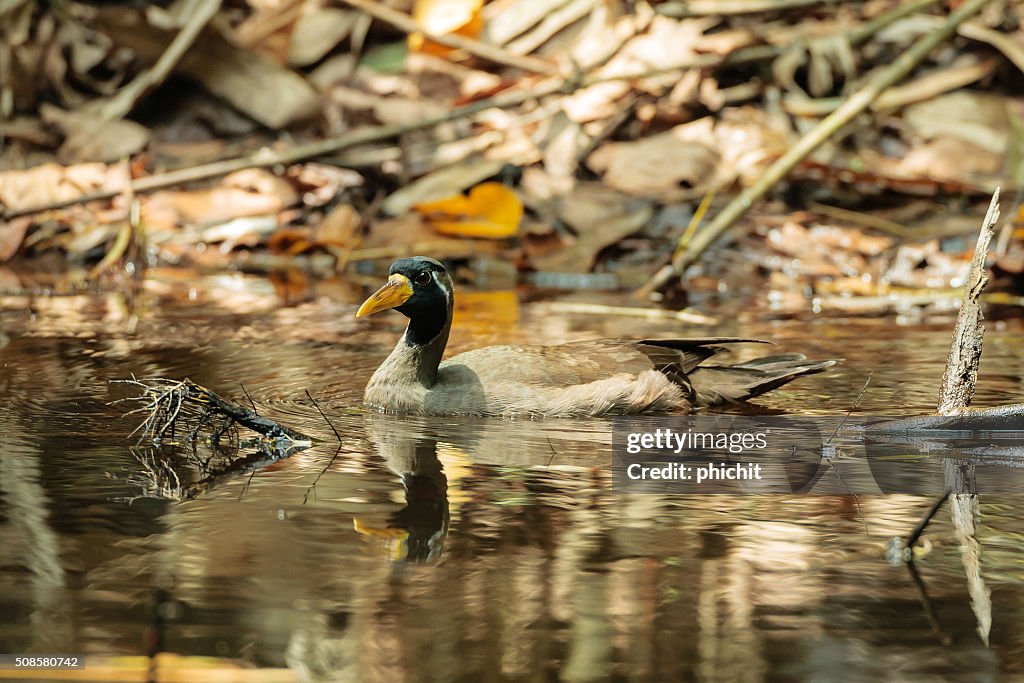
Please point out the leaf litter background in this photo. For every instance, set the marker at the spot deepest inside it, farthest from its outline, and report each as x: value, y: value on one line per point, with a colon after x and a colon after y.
x: 588, y: 187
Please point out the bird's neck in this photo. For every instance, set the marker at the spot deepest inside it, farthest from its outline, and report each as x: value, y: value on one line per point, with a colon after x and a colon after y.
x: 424, y: 352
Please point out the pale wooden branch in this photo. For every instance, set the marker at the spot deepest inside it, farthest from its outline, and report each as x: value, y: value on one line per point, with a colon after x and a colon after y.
x: 961, y: 373
x: 403, y: 22
x: 858, y: 102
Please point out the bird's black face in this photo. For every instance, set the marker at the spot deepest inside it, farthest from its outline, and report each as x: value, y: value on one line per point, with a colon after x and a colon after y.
x: 419, y: 288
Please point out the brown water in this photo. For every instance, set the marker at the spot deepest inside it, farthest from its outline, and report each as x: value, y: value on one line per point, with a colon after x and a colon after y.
x: 449, y: 550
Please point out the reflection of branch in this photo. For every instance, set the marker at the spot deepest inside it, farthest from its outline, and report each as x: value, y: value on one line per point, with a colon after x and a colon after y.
x: 160, y: 478
x: 928, y: 605
x: 919, y: 529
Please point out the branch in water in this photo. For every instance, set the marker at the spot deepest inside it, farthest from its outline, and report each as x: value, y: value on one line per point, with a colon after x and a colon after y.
x: 170, y: 404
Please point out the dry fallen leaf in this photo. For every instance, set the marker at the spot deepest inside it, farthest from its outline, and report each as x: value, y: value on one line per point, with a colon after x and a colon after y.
x: 975, y: 117
x: 12, y: 232
x: 490, y: 211
x: 672, y: 165
x: 339, y: 227
x: 250, y: 81
x: 87, y: 137
x: 50, y: 183
x: 317, y: 32
x: 251, y: 192
x: 445, y: 17
x: 321, y: 183
x: 951, y: 159
x: 600, y: 218
x: 444, y: 182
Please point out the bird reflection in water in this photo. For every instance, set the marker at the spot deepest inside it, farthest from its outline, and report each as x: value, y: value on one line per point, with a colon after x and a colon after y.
x: 417, y: 532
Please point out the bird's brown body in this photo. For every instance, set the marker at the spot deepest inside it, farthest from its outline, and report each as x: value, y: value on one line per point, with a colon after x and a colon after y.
x: 592, y: 378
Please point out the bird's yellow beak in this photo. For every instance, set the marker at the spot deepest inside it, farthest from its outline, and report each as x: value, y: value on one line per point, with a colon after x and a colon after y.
x: 395, y: 293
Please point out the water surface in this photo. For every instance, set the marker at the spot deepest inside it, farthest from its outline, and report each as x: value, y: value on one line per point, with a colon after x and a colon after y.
x: 465, y: 549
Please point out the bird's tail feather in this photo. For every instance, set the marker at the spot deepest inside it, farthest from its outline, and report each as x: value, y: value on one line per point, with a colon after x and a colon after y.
x: 718, y: 385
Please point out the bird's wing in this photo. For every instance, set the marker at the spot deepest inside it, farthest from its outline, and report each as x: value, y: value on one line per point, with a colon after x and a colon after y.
x: 589, y: 361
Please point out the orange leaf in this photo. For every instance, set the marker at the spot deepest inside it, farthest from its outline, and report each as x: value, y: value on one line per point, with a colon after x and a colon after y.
x: 445, y: 17
x: 490, y: 211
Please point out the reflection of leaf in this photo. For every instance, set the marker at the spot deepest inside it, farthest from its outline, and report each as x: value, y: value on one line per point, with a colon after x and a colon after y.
x: 445, y: 17
x: 491, y: 210
x: 487, y: 312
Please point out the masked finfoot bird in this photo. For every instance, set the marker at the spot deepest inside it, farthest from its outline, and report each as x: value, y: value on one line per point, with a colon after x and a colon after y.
x: 590, y: 378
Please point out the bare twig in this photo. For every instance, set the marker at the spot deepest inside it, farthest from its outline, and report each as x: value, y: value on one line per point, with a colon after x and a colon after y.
x: 700, y: 8
x: 323, y: 415
x: 857, y: 103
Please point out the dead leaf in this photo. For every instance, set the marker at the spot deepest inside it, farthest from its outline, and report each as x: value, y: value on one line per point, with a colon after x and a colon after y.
x: 445, y: 17
x: 808, y: 257
x: 505, y: 21
x: 251, y: 192
x: 666, y: 43
x: 339, y: 227
x: 321, y: 183
x: 270, y: 27
x: 673, y: 164
x: 749, y: 140
x: 951, y: 158
x: 850, y: 239
x: 317, y: 32
x: 443, y: 182
x: 12, y: 233
x: 978, y: 118
x: 52, y: 183
x: 251, y: 81
x: 87, y: 137
x: 600, y: 218
x: 490, y: 211
x: 30, y: 130
x: 399, y: 237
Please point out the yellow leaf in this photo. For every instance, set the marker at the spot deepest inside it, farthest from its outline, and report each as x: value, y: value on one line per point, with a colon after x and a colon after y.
x: 445, y: 17
x: 490, y: 211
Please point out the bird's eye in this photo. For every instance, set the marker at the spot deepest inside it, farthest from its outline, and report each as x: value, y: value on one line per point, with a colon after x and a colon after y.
x: 422, y: 278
